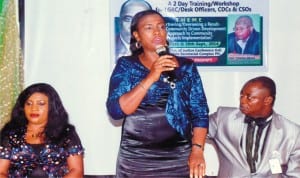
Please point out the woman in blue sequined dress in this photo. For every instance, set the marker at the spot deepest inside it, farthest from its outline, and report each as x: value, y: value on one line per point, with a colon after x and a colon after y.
x: 38, y: 141
x: 165, y: 114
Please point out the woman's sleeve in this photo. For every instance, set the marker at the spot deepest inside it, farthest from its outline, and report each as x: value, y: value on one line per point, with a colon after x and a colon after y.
x: 198, y: 102
x: 119, y: 84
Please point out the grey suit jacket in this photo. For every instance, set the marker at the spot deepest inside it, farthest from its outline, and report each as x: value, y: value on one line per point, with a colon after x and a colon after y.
x: 226, y: 127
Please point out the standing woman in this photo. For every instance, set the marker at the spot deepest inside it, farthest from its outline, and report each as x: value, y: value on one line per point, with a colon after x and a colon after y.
x: 39, y: 141
x: 165, y: 116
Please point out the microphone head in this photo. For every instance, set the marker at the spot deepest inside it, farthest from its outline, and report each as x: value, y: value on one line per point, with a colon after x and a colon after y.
x: 162, y: 50
x: 170, y: 75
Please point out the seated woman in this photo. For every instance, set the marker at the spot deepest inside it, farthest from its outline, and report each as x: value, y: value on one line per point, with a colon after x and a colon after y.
x: 39, y: 141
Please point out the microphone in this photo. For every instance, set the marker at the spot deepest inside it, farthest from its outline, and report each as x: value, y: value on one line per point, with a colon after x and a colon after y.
x: 170, y: 75
x: 162, y: 50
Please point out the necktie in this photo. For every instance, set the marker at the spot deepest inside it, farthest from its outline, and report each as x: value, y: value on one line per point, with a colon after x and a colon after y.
x: 252, y: 123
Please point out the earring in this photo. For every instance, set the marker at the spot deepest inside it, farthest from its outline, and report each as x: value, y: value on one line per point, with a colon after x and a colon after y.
x: 138, y: 45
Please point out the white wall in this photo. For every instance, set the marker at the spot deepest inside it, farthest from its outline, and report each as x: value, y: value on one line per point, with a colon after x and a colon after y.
x: 67, y: 45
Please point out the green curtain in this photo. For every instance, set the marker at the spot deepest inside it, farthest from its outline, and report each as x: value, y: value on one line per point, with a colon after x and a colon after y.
x: 11, y: 59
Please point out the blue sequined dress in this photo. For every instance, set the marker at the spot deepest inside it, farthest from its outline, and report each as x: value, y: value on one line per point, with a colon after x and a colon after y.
x: 47, y: 159
x: 155, y: 139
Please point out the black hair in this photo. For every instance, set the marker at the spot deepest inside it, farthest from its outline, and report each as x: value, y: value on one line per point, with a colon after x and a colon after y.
x: 267, y: 83
x: 58, y: 119
x: 134, y: 26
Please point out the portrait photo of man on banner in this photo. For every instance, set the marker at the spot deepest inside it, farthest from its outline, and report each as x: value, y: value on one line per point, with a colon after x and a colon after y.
x: 244, y: 41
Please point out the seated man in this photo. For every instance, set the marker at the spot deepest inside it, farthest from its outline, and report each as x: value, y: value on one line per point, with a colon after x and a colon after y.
x: 253, y: 140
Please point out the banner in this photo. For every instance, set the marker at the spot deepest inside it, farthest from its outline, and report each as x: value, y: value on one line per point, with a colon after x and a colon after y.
x: 11, y: 62
x: 214, y: 34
